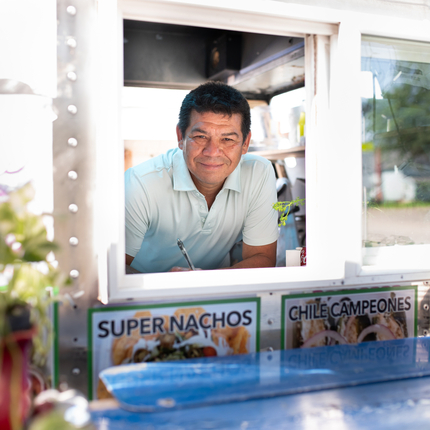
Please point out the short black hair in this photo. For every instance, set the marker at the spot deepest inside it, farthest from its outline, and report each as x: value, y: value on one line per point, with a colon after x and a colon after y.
x: 215, y: 97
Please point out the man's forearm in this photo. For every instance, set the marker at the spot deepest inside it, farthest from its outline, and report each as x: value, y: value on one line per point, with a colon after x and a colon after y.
x: 257, y: 256
x: 254, y: 262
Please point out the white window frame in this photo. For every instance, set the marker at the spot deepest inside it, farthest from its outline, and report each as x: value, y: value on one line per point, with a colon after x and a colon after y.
x: 332, y: 40
x: 350, y: 34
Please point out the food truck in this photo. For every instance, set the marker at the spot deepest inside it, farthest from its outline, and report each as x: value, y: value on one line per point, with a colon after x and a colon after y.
x: 340, y: 98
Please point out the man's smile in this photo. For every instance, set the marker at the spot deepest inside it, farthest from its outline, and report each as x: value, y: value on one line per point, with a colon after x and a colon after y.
x: 211, y: 165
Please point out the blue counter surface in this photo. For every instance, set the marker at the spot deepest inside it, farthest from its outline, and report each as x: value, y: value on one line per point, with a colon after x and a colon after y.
x: 374, y: 385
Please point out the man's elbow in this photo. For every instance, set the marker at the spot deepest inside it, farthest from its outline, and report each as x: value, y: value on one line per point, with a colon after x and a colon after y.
x: 269, y: 254
x: 269, y: 261
x: 128, y: 259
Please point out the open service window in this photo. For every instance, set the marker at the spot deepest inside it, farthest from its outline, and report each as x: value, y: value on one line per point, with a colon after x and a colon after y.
x: 162, y: 62
x: 395, y: 76
x: 295, y: 71
x: 269, y: 70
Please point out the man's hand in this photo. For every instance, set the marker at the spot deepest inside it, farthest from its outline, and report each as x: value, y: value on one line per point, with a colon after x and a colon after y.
x: 181, y: 269
x: 128, y: 269
x: 257, y: 256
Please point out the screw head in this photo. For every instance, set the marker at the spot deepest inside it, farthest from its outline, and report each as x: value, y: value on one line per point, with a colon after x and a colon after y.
x: 73, y: 208
x: 72, y: 109
x: 76, y: 371
x: 71, y: 10
x: 72, y: 142
x: 426, y: 307
x: 73, y: 241
x: 72, y: 76
x: 71, y: 42
x: 270, y: 321
x: 74, y: 273
x: 72, y: 175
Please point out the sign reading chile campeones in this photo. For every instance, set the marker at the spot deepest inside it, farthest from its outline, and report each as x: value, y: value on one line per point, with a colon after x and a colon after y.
x: 348, y: 317
x: 134, y: 334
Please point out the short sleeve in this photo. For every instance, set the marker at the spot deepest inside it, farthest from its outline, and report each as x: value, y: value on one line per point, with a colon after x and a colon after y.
x: 261, y: 224
x: 137, y: 212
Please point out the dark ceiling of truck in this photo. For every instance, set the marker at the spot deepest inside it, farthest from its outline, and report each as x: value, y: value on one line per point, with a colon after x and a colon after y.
x: 182, y: 57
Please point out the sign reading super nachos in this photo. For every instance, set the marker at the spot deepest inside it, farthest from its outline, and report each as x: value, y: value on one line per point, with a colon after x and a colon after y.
x: 348, y: 317
x: 177, y: 331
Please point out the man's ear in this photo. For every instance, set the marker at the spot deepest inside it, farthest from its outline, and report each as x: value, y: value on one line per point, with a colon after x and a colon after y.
x: 245, y: 144
x: 179, y: 136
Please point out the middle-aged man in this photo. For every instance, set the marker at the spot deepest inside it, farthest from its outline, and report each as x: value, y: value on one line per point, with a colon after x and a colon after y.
x: 208, y: 192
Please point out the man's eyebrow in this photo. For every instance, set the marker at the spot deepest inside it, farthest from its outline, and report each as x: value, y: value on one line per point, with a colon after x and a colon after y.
x: 198, y: 130
x: 230, y: 134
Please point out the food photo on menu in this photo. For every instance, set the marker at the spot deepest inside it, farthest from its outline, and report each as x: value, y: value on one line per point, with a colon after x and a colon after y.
x: 169, y: 334
x: 340, y: 319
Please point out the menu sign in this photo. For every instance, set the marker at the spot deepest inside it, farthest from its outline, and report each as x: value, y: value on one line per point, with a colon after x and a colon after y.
x: 178, y: 331
x: 348, y: 316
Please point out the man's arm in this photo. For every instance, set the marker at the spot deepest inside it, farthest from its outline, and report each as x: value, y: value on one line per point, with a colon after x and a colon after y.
x: 257, y: 256
x: 128, y: 259
x: 261, y: 222
x: 136, y: 216
x: 128, y: 269
x: 253, y: 257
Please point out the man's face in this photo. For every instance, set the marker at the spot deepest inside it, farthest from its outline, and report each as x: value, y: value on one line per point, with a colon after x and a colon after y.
x: 213, y: 145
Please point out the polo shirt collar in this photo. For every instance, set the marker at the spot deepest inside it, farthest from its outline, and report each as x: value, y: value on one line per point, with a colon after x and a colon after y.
x: 233, y: 180
x: 182, y: 180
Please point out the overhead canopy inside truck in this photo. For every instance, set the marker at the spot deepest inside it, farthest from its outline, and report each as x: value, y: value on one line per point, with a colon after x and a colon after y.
x: 176, y: 56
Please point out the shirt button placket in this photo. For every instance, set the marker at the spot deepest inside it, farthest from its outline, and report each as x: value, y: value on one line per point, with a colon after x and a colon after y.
x: 202, y: 212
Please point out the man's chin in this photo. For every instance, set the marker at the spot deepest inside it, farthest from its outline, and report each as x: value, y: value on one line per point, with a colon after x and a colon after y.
x: 213, y: 180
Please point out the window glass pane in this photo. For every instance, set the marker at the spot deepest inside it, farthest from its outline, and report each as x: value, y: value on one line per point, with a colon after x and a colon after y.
x: 395, y: 82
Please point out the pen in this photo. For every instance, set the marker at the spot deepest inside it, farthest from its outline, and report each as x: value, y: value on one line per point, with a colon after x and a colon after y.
x: 184, y: 251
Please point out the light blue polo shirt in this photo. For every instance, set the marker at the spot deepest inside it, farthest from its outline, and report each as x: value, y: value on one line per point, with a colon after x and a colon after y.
x: 162, y: 204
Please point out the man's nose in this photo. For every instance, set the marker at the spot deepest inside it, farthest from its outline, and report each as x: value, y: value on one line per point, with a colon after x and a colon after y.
x: 212, y: 148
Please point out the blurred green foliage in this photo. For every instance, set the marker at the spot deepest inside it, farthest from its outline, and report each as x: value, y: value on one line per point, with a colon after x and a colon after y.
x: 25, y: 272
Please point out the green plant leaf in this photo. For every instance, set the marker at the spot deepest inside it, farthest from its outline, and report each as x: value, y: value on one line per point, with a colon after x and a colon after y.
x: 285, y: 208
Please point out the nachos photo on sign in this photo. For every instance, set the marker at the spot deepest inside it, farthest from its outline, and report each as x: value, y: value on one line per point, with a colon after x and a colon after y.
x: 190, y: 342
x: 348, y: 317
x: 168, y: 334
